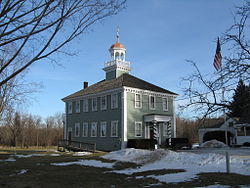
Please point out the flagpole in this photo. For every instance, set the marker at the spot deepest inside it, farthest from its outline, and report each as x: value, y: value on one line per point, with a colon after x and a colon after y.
x: 217, y: 66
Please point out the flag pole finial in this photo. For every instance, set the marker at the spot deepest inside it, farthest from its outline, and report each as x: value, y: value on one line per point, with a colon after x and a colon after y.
x: 117, y: 34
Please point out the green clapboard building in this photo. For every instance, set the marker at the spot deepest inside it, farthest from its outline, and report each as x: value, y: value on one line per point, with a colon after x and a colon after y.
x: 119, y: 108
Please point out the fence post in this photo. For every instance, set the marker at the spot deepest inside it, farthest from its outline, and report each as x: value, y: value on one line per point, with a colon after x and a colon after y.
x: 228, y: 162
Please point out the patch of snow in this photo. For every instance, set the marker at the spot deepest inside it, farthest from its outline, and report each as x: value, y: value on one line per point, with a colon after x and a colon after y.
x: 93, y: 163
x: 23, y: 171
x: 10, y: 159
x: 192, y: 163
x: 30, y: 155
x: 195, y: 145
x: 216, y: 186
x: 81, y: 153
x: 213, y: 144
x: 55, y: 155
x: 152, y: 185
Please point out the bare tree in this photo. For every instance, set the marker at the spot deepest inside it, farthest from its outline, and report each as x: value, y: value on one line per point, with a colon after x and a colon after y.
x: 39, y: 29
x: 26, y: 130
x: 210, y: 95
x: 237, y: 64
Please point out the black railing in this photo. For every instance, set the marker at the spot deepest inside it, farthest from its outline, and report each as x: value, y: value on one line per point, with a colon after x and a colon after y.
x: 77, y: 146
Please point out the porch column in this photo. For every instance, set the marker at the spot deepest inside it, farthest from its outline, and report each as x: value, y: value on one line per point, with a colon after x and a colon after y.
x: 156, y: 135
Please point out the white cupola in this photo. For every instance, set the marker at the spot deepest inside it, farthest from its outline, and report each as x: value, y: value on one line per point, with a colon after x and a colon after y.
x: 118, y: 65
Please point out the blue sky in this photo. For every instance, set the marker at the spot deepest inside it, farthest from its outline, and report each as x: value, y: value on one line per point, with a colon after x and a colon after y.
x: 159, y: 36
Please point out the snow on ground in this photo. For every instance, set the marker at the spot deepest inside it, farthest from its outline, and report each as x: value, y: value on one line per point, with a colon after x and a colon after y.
x: 55, y: 155
x: 30, y: 155
x: 191, y: 162
x: 81, y: 153
x: 213, y: 144
x: 94, y: 163
x: 23, y: 171
x: 10, y: 159
x: 138, y: 156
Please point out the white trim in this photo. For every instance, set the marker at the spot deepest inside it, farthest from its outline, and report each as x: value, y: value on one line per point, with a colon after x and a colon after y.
x: 70, y: 110
x: 103, y: 123
x: 149, y: 102
x: 92, y: 95
x: 92, y: 124
x: 140, y: 123
x: 111, y: 125
x: 65, y: 122
x: 77, y: 125
x: 77, y: 110
x: 124, y: 120
x: 138, y: 101
x: 87, y: 105
x: 158, y: 118
x: 148, y: 92
x: 174, y: 120
x: 92, y: 106
x: 83, y: 128
x: 165, y: 109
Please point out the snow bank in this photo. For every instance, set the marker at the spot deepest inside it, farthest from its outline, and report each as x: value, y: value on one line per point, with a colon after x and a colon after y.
x: 213, y: 144
x: 138, y: 156
x: 93, y: 163
x: 191, y: 162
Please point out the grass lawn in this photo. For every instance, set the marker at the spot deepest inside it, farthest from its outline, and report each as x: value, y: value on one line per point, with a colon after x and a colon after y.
x: 39, y: 173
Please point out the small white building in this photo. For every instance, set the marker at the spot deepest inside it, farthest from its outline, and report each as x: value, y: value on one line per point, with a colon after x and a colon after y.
x: 232, y: 131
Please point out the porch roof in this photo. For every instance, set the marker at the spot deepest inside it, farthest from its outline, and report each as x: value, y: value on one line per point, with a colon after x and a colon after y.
x: 157, y: 118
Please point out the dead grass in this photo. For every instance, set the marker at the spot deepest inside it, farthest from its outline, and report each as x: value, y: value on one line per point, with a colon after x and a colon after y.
x: 158, y: 172
x: 41, y: 174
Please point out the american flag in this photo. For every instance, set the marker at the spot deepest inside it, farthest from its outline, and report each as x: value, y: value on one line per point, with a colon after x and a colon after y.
x: 217, y: 57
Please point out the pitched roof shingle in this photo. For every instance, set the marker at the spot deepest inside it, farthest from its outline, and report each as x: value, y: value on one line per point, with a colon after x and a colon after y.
x: 123, y: 80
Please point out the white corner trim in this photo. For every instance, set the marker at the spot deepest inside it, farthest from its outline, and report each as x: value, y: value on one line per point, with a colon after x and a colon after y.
x: 124, y: 120
x: 65, y: 123
x: 174, y: 118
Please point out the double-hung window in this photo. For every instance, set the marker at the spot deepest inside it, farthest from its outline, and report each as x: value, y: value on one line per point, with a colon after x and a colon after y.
x: 93, y: 129
x: 114, y: 101
x: 138, y: 129
x: 103, y: 129
x: 114, y: 128
x: 85, y: 129
x: 165, y: 104
x: 77, y: 107
x: 138, y: 100
x: 77, y: 129
x: 85, y: 105
x: 103, y: 103
x: 69, y: 107
x: 151, y: 102
x: 94, y: 104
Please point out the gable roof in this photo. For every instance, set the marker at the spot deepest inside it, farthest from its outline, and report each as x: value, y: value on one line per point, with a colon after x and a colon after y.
x: 123, y: 80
